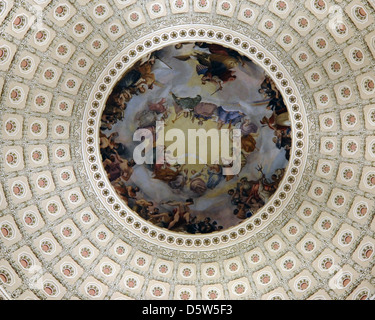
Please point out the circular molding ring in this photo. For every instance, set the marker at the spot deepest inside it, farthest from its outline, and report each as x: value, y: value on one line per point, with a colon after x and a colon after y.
x: 96, y: 104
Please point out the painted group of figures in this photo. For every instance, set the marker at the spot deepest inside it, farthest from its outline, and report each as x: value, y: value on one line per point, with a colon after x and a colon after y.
x: 213, y: 67
x: 179, y: 216
x: 247, y: 197
x: 279, y: 122
x: 250, y: 196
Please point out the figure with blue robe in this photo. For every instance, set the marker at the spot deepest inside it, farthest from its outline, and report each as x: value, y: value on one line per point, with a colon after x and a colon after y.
x: 215, y: 175
x: 229, y: 117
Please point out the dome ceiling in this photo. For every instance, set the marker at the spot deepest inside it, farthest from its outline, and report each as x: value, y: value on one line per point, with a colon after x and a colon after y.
x: 66, y: 233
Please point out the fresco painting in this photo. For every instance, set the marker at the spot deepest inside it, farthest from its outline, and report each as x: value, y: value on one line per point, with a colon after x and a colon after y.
x: 195, y: 86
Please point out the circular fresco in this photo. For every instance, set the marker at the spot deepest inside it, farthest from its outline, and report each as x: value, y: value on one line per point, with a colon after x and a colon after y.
x: 195, y: 138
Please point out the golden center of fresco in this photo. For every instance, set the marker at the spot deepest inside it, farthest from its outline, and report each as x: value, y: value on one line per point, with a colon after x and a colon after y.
x: 209, y: 97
